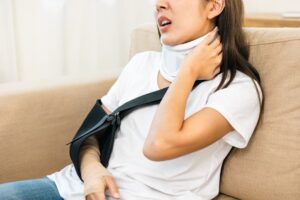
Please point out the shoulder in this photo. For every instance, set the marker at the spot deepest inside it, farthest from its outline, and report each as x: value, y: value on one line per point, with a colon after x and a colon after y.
x: 239, y: 78
x: 242, y: 84
x: 146, y: 56
x: 240, y: 104
x: 242, y: 95
x: 144, y: 61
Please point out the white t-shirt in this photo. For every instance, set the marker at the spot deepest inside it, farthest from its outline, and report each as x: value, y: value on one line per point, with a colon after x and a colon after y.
x: 194, y: 176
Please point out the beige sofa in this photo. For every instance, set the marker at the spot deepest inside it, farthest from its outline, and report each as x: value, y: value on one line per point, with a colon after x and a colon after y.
x: 37, y: 121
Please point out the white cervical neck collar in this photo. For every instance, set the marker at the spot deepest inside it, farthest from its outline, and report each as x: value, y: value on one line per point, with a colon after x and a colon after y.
x: 173, y: 56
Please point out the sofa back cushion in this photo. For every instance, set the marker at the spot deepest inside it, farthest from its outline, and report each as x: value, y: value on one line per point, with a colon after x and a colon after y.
x: 269, y: 168
x: 37, y: 120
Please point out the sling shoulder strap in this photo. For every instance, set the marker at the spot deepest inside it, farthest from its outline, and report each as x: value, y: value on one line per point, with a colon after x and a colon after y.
x: 144, y: 100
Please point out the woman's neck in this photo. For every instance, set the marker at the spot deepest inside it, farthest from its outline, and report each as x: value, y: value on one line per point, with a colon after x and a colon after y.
x: 173, y: 56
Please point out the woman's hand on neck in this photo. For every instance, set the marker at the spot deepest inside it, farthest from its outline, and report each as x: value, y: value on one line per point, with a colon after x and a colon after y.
x: 204, y: 60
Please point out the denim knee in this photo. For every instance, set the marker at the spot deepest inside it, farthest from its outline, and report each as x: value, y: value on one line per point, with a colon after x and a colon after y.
x: 35, y: 189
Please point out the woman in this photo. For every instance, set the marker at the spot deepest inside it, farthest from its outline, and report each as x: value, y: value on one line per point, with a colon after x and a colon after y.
x: 174, y: 150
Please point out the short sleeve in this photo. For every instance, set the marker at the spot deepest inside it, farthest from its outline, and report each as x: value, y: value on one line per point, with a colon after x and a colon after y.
x: 112, y: 98
x: 239, y: 103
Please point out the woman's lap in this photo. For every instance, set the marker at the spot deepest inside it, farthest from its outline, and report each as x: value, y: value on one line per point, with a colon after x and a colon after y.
x: 34, y: 189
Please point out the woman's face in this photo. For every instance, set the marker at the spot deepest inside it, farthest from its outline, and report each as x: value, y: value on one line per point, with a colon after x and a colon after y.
x: 181, y: 21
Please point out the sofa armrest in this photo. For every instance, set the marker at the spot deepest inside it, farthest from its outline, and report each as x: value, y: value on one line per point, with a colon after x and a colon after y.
x: 37, y: 121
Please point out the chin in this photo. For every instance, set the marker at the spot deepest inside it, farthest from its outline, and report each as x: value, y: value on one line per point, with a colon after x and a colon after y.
x: 169, y: 41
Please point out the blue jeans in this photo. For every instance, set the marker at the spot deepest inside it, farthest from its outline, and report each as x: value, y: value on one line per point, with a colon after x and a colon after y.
x: 35, y: 189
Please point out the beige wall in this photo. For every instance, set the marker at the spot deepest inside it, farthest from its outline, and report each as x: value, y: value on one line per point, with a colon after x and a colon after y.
x: 272, y: 5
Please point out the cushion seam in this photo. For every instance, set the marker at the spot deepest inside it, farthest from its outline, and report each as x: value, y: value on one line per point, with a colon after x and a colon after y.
x: 275, y: 42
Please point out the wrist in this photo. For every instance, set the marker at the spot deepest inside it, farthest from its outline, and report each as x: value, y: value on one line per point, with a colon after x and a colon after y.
x: 188, y: 72
x: 94, y: 172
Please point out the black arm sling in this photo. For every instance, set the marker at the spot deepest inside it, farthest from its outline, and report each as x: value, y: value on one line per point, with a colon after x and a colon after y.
x: 104, y: 126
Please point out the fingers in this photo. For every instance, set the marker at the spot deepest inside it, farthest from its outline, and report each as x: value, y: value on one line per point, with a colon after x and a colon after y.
x: 96, y: 196
x: 219, y: 59
x: 216, y: 43
x: 213, y: 40
x: 219, y: 49
x: 218, y: 67
x: 216, y: 47
x: 211, y: 36
x: 217, y: 70
x: 112, y: 186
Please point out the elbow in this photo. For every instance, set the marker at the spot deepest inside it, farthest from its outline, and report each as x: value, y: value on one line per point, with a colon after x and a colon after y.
x: 151, y: 153
x: 156, y: 150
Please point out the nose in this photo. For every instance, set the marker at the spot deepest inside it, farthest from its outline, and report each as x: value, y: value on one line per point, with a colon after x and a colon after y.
x: 161, y: 5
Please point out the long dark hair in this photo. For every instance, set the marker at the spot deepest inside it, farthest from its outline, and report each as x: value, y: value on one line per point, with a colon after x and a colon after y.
x: 236, y: 50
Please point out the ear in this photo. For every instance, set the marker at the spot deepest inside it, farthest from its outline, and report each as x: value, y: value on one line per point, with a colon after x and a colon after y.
x: 216, y: 7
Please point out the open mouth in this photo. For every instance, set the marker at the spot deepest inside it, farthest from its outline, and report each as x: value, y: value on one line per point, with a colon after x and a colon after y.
x: 165, y: 23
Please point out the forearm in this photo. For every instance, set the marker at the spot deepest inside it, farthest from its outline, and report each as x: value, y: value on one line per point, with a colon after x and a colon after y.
x: 169, y: 117
x: 89, y: 153
x: 92, y: 171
